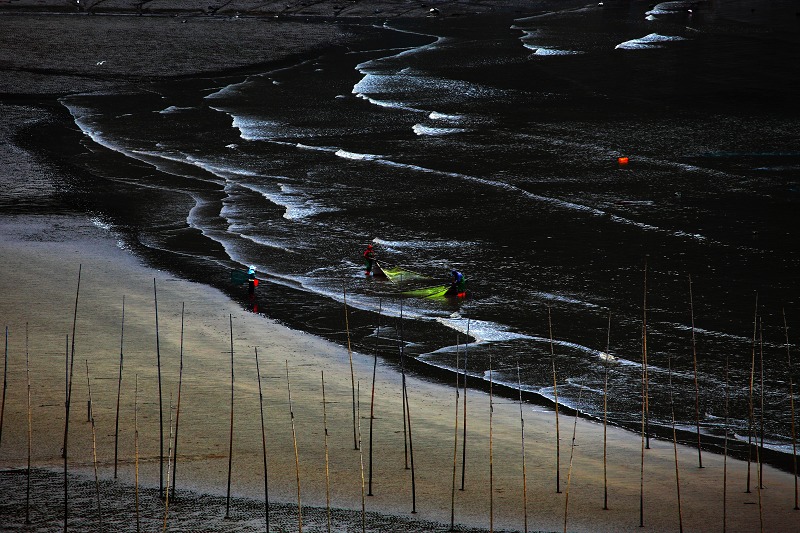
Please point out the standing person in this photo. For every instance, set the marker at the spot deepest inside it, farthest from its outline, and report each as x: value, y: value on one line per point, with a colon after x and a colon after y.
x: 458, y: 285
x: 369, y: 259
x: 251, y: 281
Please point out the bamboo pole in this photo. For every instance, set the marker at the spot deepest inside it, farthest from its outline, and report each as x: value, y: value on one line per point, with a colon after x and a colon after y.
x: 555, y: 398
x: 410, y: 448
x: 675, y: 445
x: 696, y: 384
x: 491, y: 455
x: 464, y: 437
x: 169, y: 466
x: 178, y: 408
x: 5, y: 384
x: 69, y: 399
x: 350, y: 355
x: 761, y: 394
x: 791, y: 407
x: 725, y: 454
x: 230, y: 444
x: 403, y: 381
x: 759, y: 481
x: 372, y: 400
x: 296, y: 455
x: 160, y: 403
x: 119, y: 388
x: 94, y: 450
x: 455, y: 446
x: 66, y: 424
x: 30, y: 431
x: 407, y: 416
x: 524, y: 469
x: 361, y: 462
x: 327, y: 462
x: 645, y: 438
x: 751, y: 412
x: 263, y: 442
x: 646, y: 375
x: 605, y: 416
x: 136, y: 449
x: 641, y: 472
x: 571, y: 455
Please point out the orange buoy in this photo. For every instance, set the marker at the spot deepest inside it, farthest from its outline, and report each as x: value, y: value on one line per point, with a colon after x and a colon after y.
x: 622, y: 161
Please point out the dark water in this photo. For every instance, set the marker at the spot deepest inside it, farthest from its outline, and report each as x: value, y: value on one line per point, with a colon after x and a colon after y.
x: 491, y: 145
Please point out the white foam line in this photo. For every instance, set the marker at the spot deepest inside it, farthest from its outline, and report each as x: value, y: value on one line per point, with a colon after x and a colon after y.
x: 426, y: 244
x: 481, y: 330
x: 565, y: 299
x: 220, y: 93
x: 710, y: 333
x: 563, y: 204
x: 551, y: 201
x: 264, y: 242
x: 387, y: 104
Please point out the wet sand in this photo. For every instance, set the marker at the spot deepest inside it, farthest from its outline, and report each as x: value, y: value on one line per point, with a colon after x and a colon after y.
x: 41, y: 260
x: 46, y: 240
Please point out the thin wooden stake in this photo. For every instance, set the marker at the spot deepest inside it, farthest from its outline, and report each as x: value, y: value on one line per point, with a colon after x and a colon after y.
x: 66, y: 423
x: 5, y: 384
x: 296, y: 455
x: 136, y: 449
x: 178, y: 409
x: 361, y: 462
x: 169, y: 465
x: 571, y: 455
x: 94, y: 452
x: 69, y: 398
x: 327, y: 463
x: 605, y: 416
x: 696, y: 384
x: 645, y: 437
x: 491, y: 455
x: 751, y: 412
x: 372, y: 400
x: 464, y: 437
x: 761, y: 394
x: 66, y: 372
x: 524, y: 470
x: 675, y: 445
x: 725, y: 453
x: 407, y: 417
x: 791, y: 407
x: 352, y: 372
x: 403, y: 381
x: 119, y: 388
x: 759, y: 481
x: 555, y: 398
x: 30, y: 436
x: 645, y: 372
x: 230, y: 445
x: 263, y: 443
x: 455, y: 447
x: 410, y: 444
x: 160, y: 403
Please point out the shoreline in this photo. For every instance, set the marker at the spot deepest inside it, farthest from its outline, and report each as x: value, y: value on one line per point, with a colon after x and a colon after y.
x: 711, y: 443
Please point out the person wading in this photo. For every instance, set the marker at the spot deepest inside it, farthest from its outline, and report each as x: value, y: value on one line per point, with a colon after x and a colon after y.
x: 369, y: 259
x: 458, y: 286
x: 251, y: 281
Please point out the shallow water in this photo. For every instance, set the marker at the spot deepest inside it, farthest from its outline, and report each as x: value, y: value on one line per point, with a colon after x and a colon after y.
x: 491, y: 145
